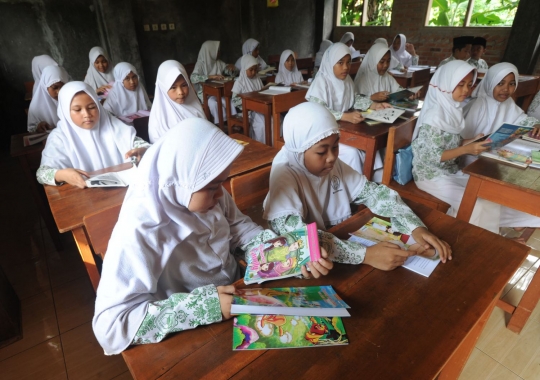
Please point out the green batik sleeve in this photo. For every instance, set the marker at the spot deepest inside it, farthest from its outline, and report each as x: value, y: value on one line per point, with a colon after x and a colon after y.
x: 362, y: 102
x: 529, y: 121
x: 236, y: 101
x: 415, y: 60
x: 140, y: 143
x: 198, y: 78
x: 336, y: 114
x: 45, y: 175
x: 384, y: 201
x: 181, y: 311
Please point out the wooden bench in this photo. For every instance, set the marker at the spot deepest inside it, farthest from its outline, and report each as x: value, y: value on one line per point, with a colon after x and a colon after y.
x: 526, y: 91
x: 283, y: 103
x: 305, y: 65
x: 232, y: 120
x: 250, y: 189
x: 400, y: 137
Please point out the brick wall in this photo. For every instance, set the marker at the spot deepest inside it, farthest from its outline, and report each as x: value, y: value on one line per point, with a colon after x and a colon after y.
x: 432, y: 44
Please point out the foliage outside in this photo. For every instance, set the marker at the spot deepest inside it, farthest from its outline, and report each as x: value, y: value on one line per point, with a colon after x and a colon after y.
x: 379, y: 12
x: 484, y: 12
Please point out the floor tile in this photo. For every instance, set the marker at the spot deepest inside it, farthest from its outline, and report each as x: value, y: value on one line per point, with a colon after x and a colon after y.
x: 525, y: 351
x: 84, y: 356
x: 502, y: 373
x: 74, y: 302
x: 65, y: 266
x: 516, y: 293
x: 28, y: 278
x: 497, y: 342
x: 478, y: 367
x: 44, y: 361
x: 39, y: 324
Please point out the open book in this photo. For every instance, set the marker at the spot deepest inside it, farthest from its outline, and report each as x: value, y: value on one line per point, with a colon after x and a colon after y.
x: 320, y: 301
x: 129, y: 118
x: 378, y: 230
x: 387, y: 115
x: 269, y: 69
x: 403, y: 94
x: 113, y: 179
x: 35, y: 138
x: 283, y: 256
x: 519, y: 152
x: 276, y: 90
x: 504, y: 135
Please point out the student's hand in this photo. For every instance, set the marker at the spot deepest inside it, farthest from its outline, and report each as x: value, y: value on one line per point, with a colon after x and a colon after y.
x: 427, y: 240
x: 232, y: 67
x: 43, y: 127
x: 536, y: 130
x: 225, y: 300
x: 386, y: 256
x: 380, y: 96
x: 380, y: 106
x: 103, y: 88
x: 410, y: 49
x: 216, y: 77
x: 475, y: 148
x: 318, y: 268
x: 137, y: 153
x: 72, y: 176
x: 354, y: 117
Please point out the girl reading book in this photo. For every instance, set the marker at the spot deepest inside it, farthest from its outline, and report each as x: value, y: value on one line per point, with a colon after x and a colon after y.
x: 310, y: 184
x: 171, y: 249
x: 288, y: 73
x: 99, y: 75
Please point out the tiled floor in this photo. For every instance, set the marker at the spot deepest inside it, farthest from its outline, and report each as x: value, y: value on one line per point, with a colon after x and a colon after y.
x: 58, y: 303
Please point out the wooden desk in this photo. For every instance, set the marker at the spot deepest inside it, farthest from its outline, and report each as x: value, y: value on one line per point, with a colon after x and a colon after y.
x: 30, y: 158
x: 369, y: 138
x: 402, y: 325
x: 526, y: 90
x: 404, y: 79
x: 262, y: 103
x: 212, y: 88
x: 512, y: 187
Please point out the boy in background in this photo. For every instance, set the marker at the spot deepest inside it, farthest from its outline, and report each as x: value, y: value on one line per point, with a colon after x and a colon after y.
x: 461, y: 49
x: 477, y: 51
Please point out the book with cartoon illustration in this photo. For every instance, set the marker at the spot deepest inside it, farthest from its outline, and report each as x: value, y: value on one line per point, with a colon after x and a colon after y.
x: 378, y: 230
x: 113, y: 179
x: 320, y: 301
x: 283, y: 256
x: 387, y: 115
x: 505, y: 134
x: 262, y: 332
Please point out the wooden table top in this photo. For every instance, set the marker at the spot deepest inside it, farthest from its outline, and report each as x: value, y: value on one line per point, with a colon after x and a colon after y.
x: 17, y: 147
x: 492, y: 170
x: 401, y: 323
x: 256, y: 96
x: 69, y: 204
x: 366, y: 130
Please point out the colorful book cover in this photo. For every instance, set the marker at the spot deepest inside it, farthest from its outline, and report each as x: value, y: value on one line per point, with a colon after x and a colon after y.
x: 505, y: 134
x: 262, y: 332
x: 305, y: 301
x: 283, y: 256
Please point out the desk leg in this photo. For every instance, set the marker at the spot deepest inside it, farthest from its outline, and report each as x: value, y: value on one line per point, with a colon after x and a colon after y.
x: 369, y: 162
x: 268, y: 125
x: 88, y: 257
x: 525, y: 307
x: 469, y: 199
x: 220, y: 111
x: 453, y: 367
x: 205, y: 105
x: 245, y: 117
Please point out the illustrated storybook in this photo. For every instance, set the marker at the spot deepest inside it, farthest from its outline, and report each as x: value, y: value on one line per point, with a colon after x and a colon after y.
x: 505, y: 134
x: 378, y: 230
x: 283, y: 256
x: 320, y: 301
x: 129, y: 119
x: 403, y: 94
x: 113, y: 179
x: 387, y: 115
x: 262, y: 332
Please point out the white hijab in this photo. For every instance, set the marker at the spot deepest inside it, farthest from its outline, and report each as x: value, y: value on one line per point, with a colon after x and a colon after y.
x: 243, y: 83
x: 165, y: 112
x: 124, y: 102
x: 93, y: 77
x: 368, y: 81
x: 285, y: 76
x: 484, y: 114
x: 70, y: 146
x: 401, y: 55
x: 394, y: 62
x: 293, y: 189
x: 247, y: 48
x: 347, y: 37
x: 207, y: 62
x: 43, y: 107
x: 336, y: 93
x: 440, y: 110
x: 325, y: 44
x: 38, y: 64
x: 158, y: 247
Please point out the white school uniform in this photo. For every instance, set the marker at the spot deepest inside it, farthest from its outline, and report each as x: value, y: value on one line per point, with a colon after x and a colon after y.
x: 394, y: 63
x: 165, y: 112
x: 401, y: 55
x: 247, y: 48
x: 349, y: 36
x: 284, y: 75
x: 43, y: 107
x: 160, y: 251
x: 121, y: 101
x: 38, y: 64
x: 325, y: 44
x: 95, y: 78
x: 368, y: 81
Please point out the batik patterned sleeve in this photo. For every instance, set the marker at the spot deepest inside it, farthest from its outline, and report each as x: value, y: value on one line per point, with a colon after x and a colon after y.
x: 198, y: 78
x: 45, y: 175
x: 534, y: 104
x: 337, y: 115
x: 140, y: 143
x: 346, y: 252
x: 529, y: 121
x: 181, y: 311
x: 415, y: 60
x: 384, y: 201
x: 236, y: 101
x: 362, y: 102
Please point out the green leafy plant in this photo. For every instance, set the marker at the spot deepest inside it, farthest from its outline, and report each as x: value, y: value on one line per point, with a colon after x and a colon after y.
x: 379, y: 12
x: 484, y: 12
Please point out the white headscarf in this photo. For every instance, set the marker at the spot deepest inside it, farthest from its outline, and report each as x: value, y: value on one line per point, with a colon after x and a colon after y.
x: 165, y: 112
x: 347, y: 37
x: 243, y: 83
x: 38, y: 64
x: 293, y: 189
x: 484, y: 114
x: 381, y: 41
x: 207, y: 62
x: 394, y: 62
x: 158, y: 247
x: 440, y: 110
x: 43, y: 107
x: 95, y: 78
x: 325, y: 44
x: 336, y: 93
x: 70, y: 146
x: 247, y: 48
x: 285, y: 76
x: 401, y: 55
x: 368, y: 81
x: 124, y: 102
